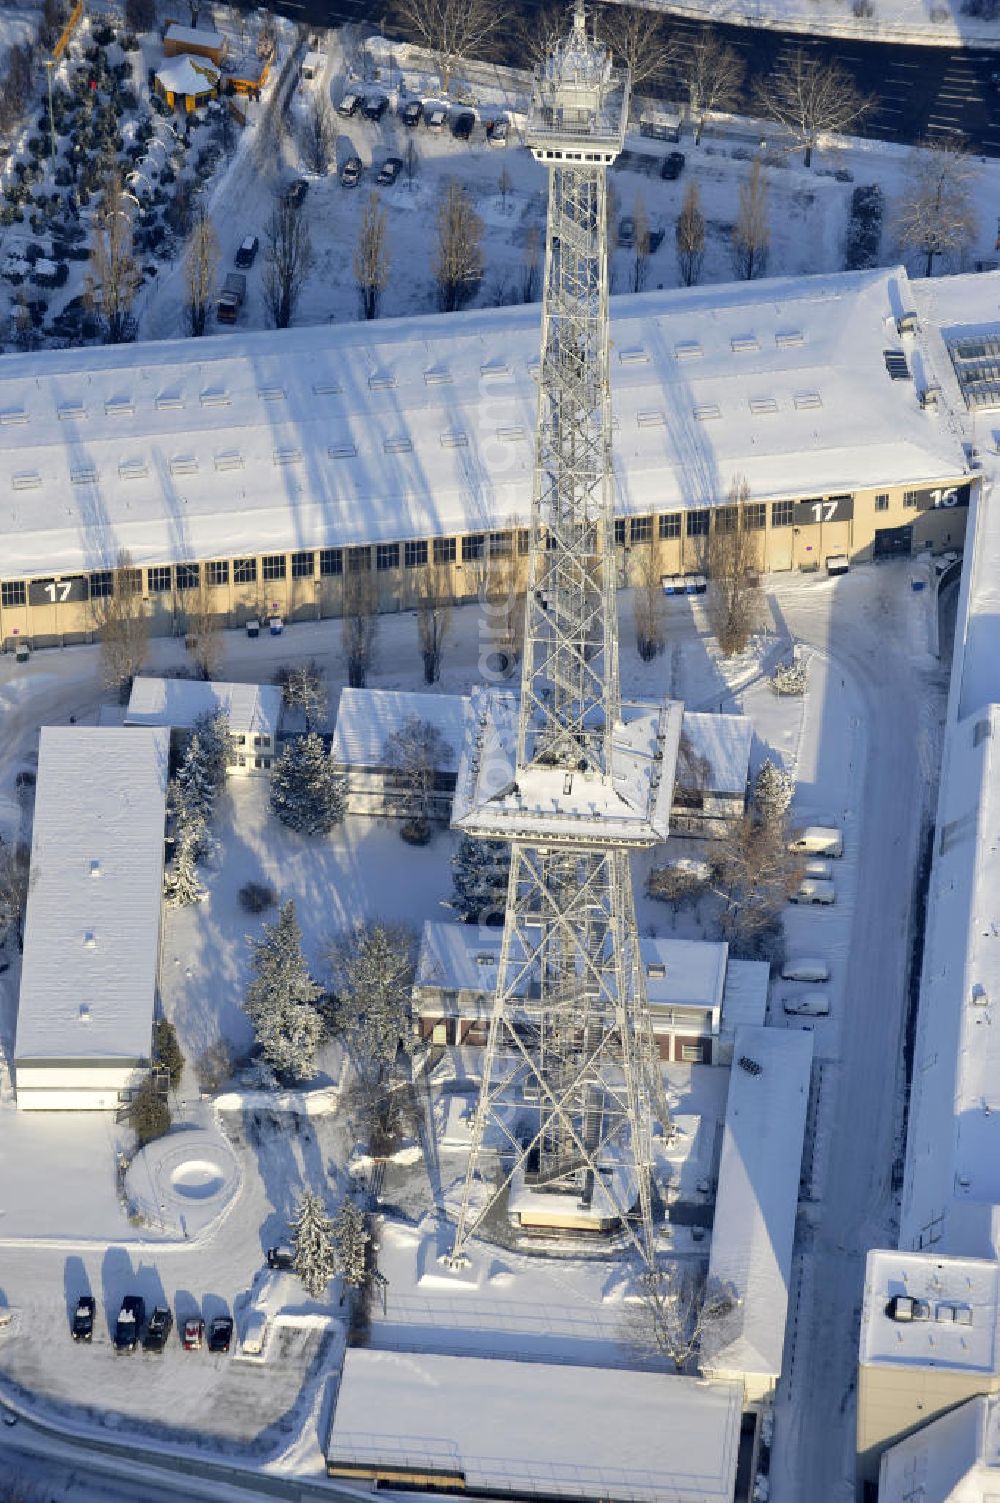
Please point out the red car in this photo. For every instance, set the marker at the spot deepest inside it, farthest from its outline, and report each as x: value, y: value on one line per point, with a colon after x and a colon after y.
x: 194, y: 1334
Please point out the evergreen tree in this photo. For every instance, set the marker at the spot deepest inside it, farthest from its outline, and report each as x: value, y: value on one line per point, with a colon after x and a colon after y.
x: 314, y: 1260
x: 281, y: 999
x: 350, y: 1242
x: 773, y: 791
x: 372, y: 978
x: 167, y: 1051
x: 215, y: 749
x: 196, y: 787
x: 306, y: 792
x: 181, y: 884
x: 479, y: 873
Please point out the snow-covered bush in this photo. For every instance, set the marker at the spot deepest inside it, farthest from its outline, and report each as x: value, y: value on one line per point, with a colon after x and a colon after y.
x: 350, y: 1242
x: 306, y: 792
x: 789, y: 678
x: 314, y: 1259
x: 773, y: 791
x: 479, y: 873
x: 679, y: 883
x: 257, y: 897
x: 281, y: 1000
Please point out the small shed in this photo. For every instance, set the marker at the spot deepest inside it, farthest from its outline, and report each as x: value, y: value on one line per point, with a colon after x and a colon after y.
x: 193, y: 41
x: 186, y: 82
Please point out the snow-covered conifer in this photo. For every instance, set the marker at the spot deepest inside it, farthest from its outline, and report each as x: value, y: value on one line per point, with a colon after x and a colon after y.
x: 773, y: 791
x: 315, y: 1261
x: 306, y: 792
x: 181, y: 885
x: 215, y: 748
x: 788, y: 678
x: 350, y: 1241
x: 372, y: 977
x: 281, y: 1000
x: 479, y: 873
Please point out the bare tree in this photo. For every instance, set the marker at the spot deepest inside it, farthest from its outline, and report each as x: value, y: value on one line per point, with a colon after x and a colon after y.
x: 810, y: 98
x: 501, y: 593
x: 752, y: 232
x: 504, y: 185
x: 203, y: 627
x: 647, y: 601
x: 754, y: 874
x: 304, y: 688
x: 122, y: 626
x: 452, y: 29
x: 415, y: 754
x: 15, y: 867
x: 733, y: 564
x: 287, y: 258
x: 678, y: 1309
x: 371, y: 257
x: 114, y: 276
x: 201, y: 260
x: 640, y: 247
x: 140, y: 15
x: 531, y: 265
x: 535, y: 33
x: 936, y: 214
x: 360, y: 620
x: 458, y: 262
x: 318, y: 135
x: 639, y: 40
x: 713, y: 74
x: 690, y: 236
x: 434, y: 594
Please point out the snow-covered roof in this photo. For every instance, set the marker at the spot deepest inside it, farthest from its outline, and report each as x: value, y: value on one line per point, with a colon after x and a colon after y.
x: 358, y: 433
x: 959, y: 1325
x: 187, y: 75
x: 954, y: 1459
x: 559, y: 1430
x: 464, y: 957
x: 91, y: 941
x: 366, y: 718
x: 757, y: 1197
x: 723, y: 741
x: 193, y: 36
x: 251, y: 709
x: 744, y: 1001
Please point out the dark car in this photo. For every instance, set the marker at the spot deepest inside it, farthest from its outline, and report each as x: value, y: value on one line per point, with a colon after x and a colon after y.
x: 161, y: 1323
x: 389, y: 171
x: 350, y: 173
x: 82, y: 1328
x: 375, y: 106
x: 247, y: 253
x: 349, y: 105
x: 281, y: 1256
x: 411, y: 112
x: 297, y: 192
x: 128, y: 1327
x: 673, y: 165
x: 463, y: 125
x: 220, y: 1334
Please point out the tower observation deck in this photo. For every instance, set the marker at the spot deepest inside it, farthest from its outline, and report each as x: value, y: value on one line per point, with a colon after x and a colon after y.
x: 574, y: 779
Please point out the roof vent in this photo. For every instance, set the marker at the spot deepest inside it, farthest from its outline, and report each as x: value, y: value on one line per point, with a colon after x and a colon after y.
x: 231, y: 460
x: 119, y: 407
x: 133, y: 469
x: 271, y: 393
x: 930, y: 397
x: 760, y: 405
x: 744, y: 344
x: 980, y: 996
x: 89, y: 940
x: 287, y: 456
x: 95, y: 868
x: 895, y: 364
x: 653, y: 418
x: 688, y: 349
x: 787, y: 339
x: 381, y: 381
x: 633, y: 357
x: 437, y: 377
x: 454, y: 440
x: 83, y: 474
x: 486, y: 957
x: 804, y: 400
x: 215, y: 396
x: 84, y: 1012
x: 707, y: 411
x: 170, y: 401
x: 183, y: 464
x: 68, y: 410
x: 327, y: 388
x: 342, y: 451
x: 494, y: 370
x: 13, y: 415
x: 656, y: 970
x: 397, y: 445
x: 27, y: 480
x: 510, y: 435
x: 907, y: 323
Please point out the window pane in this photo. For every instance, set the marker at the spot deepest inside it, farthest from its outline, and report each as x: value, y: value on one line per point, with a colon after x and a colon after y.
x: 444, y: 550
x: 102, y: 585
x: 187, y: 576
x: 642, y: 529
x: 697, y: 523
x: 781, y: 514
x: 273, y: 567
x: 414, y: 554
x: 754, y: 516
x: 387, y: 556
x: 472, y: 546
x: 302, y: 566
x: 245, y: 570
x: 620, y: 532
x: 359, y: 560
x: 13, y: 592
x: 331, y: 561
x: 159, y: 579
x: 218, y: 572
x: 670, y: 526
x: 501, y: 545
x: 726, y: 519
x: 523, y: 540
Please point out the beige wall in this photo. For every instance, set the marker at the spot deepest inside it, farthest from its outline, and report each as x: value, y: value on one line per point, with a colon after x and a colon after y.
x: 894, y: 1401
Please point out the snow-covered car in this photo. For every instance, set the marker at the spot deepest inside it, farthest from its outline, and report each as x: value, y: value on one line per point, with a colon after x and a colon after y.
x: 128, y: 1326
x: 411, y: 112
x: 193, y: 1338
x: 375, y: 106
x: 82, y: 1328
x: 496, y: 131
x: 435, y: 117
x: 281, y: 1256
x: 161, y: 1323
x: 673, y: 165
x: 389, y: 171
x: 220, y: 1334
x: 350, y: 173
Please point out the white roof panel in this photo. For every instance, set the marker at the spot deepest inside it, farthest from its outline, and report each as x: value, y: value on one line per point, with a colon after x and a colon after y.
x: 724, y: 742
x: 366, y: 718
x: 91, y: 941
x: 179, y: 702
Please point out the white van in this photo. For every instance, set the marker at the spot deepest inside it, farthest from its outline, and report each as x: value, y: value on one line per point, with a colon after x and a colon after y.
x: 813, y: 890
x: 818, y: 840
x: 811, y: 1004
x: 805, y: 968
x: 254, y: 1333
x: 818, y: 869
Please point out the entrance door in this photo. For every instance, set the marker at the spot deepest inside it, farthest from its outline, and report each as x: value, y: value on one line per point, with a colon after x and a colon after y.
x: 893, y: 542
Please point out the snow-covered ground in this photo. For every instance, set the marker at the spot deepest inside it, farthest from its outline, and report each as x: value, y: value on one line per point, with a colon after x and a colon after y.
x: 924, y: 23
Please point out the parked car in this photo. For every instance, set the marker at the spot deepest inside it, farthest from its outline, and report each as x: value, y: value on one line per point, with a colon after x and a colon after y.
x: 805, y: 968
x: 435, y: 117
x: 281, y: 1256
x: 375, y: 106
x: 220, y: 1334
x: 496, y: 131
x: 811, y: 1004
x: 247, y: 253
x: 815, y: 890
x: 463, y: 125
x: 411, y: 112
x: 389, y: 171
x: 818, y: 840
x: 193, y: 1338
x: 626, y: 230
x: 673, y: 165
x: 349, y: 104
x: 350, y: 173
x: 821, y: 869
x: 297, y: 192
x: 161, y: 1323
x: 82, y: 1328
x: 128, y: 1327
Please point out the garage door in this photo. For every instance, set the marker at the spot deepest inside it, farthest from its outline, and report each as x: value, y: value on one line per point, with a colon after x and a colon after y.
x: 890, y: 542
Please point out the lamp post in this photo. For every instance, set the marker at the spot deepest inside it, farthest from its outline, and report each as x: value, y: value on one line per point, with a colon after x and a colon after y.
x: 49, y: 65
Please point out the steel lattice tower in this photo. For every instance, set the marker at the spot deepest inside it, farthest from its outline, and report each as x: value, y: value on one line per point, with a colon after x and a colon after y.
x: 571, y: 777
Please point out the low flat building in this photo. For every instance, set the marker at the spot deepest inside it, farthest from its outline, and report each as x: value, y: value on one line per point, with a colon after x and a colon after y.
x: 253, y: 712
x: 92, y: 929
x: 492, y: 1428
x: 756, y: 1205
x: 366, y: 719
x: 193, y: 41
x: 687, y: 983
x: 713, y: 767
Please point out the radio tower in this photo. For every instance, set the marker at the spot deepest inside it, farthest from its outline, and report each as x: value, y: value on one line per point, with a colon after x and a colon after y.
x: 573, y: 779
